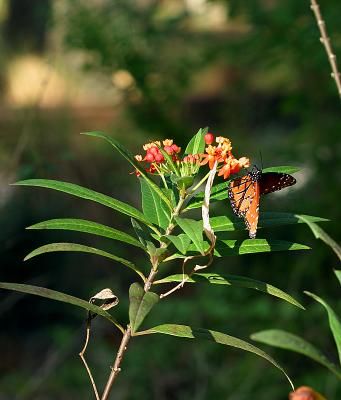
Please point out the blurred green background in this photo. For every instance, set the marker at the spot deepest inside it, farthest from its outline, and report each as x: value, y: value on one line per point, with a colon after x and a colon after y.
x: 142, y: 70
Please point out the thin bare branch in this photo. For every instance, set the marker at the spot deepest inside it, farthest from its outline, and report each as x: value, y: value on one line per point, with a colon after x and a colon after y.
x: 115, y: 370
x: 325, y: 40
x: 81, y: 355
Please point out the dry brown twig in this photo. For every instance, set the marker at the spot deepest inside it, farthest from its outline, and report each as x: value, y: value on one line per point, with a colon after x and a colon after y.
x: 325, y: 40
x: 81, y: 355
x: 109, y: 300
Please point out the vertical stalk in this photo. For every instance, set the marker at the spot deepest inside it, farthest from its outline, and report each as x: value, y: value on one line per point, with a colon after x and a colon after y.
x: 327, y: 44
x: 116, y: 368
x: 127, y: 333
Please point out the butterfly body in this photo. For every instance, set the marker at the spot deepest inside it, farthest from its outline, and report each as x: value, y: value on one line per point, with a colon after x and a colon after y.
x: 245, y: 192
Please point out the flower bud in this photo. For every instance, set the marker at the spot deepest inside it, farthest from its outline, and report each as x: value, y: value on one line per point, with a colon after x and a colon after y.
x: 159, y: 158
x: 209, y: 138
x: 168, y: 150
x: 149, y: 157
x: 153, y: 150
x: 176, y: 148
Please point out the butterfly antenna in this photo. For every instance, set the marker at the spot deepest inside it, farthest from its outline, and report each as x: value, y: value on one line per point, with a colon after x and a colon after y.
x: 261, y: 159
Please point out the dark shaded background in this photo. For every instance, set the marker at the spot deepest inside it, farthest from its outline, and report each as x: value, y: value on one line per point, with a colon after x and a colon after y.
x: 141, y: 69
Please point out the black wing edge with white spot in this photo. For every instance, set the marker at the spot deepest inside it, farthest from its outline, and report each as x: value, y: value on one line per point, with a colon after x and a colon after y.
x: 273, y: 181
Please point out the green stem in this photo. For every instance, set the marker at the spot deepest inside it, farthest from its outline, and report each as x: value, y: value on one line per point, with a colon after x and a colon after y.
x: 200, y: 183
x: 161, y: 174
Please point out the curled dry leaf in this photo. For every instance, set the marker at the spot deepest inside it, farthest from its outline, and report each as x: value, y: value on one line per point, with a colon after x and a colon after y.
x: 106, y: 298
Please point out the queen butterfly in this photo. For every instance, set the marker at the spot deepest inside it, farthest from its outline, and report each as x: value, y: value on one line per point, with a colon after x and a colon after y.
x: 244, y: 194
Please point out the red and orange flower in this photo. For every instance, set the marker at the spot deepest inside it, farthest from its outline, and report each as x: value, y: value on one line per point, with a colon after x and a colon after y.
x: 223, y: 154
x: 158, y: 161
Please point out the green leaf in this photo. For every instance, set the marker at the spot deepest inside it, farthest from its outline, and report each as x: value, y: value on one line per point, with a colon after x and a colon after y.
x: 52, y: 294
x: 181, y: 242
x: 169, y: 193
x: 130, y: 158
x: 154, y: 208
x: 142, y: 233
x: 233, y: 280
x: 82, y: 225
x: 88, y: 194
x: 197, y: 144
x: 319, y: 233
x: 193, y: 230
x: 218, y: 192
x: 289, y: 341
x: 140, y: 305
x: 334, y: 321
x: 338, y: 275
x: 284, y: 169
x: 52, y: 247
x: 225, y: 248
x: 249, y: 246
x: 182, y: 182
x: 185, y: 331
x: 267, y: 219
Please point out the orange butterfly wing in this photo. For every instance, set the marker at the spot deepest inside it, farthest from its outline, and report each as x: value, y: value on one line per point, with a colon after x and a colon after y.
x: 244, y: 197
x: 252, y: 213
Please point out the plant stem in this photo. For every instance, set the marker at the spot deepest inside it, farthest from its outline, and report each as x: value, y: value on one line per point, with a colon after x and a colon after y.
x: 327, y: 45
x: 150, y: 279
x: 148, y: 283
x: 200, y: 183
x: 116, y: 368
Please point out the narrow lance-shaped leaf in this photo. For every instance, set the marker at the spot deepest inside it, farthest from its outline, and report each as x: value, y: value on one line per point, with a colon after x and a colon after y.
x: 54, y: 295
x: 249, y: 246
x: 130, y: 158
x: 267, y: 219
x: 141, y: 303
x: 284, y: 169
x: 197, y: 144
x: 88, y: 194
x: 334, y: 321
x: 319, y: 233
x: 154, y: 208
x: 52, y: 247
x: 289, y: 341
x: 225, y: 248
x: 81, y: 225
x: 233, y: 280
x: 185, y: 331
x: 193, y: 229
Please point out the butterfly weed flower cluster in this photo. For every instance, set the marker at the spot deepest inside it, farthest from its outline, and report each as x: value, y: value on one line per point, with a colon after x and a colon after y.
x: 171, y: 181
x: 164, y: 158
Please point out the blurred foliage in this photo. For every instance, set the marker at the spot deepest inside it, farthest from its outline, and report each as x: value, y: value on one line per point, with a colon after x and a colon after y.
x: 271, y: 92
